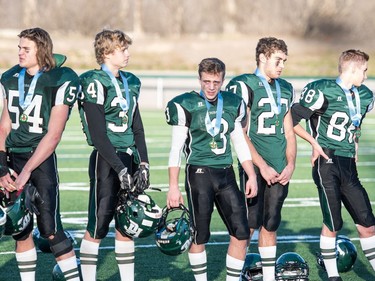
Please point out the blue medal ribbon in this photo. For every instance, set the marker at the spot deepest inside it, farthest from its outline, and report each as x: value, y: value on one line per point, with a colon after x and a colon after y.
x: 354, y: 111
x: 275, y: 106
x: 25, y: 101
x: 124, y: 103
x: 213, y: 130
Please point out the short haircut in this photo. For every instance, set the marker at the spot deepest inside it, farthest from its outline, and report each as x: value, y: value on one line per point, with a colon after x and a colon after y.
x: 350, y: 56
x: 44, y: 45
x: 268, y: 46
x: 107, y: 41
x: 211, y: 65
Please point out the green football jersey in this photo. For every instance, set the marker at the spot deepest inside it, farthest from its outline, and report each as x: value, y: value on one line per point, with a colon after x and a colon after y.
x: 330, y: 123
x: 266, y: 129
x: 58, y: 86
x: 189, y: 109
x: 98, y: 88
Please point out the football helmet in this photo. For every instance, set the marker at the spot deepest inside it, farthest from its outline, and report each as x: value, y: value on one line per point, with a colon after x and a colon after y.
x: 3, y: 220
x: 252, y: 269
x: 58, y: 275
x: 137, y: 216
x: 18, y: 217
x: 346, y: 254
x: 174, y: 235
x: 291, y: 266
x: 42, y: 243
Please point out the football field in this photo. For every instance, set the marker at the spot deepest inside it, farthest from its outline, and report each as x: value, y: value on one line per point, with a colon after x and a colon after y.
x: 299, y: 231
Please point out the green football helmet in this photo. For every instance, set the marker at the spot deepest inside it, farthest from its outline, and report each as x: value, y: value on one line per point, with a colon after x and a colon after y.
x: 346, y: 254
x: 174, y: 235
x: 3, y: 220
x: 291, y: 266
x: 42, y: 243
x: 137, y: 216
x: 252, y: 269
x: 58, y: 275
x: 18, y: 217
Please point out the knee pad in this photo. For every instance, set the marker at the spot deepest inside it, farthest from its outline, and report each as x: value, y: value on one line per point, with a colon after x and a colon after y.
x: 60, y: 244
x: 272, y: 224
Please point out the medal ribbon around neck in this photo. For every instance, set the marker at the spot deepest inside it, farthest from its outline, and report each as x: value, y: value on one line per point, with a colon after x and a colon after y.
x: 213, y: 130
x: 355, y: 112
x: 276, y: 107
x: 25, y: 101
x: 124, y: 103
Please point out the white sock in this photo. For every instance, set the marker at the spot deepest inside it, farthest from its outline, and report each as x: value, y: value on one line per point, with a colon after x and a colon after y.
x: 27, y: 264
x: 234, y: 268
x: 198, y: 263
x: 328, y: 249
x: 69, y: 268
x: 89, y: 258
x: 368, y: 247
x: 124, y: 251
x: 268, y: 256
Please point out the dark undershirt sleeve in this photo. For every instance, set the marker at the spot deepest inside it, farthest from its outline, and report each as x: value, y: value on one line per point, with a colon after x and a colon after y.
x: 299, y: 112
x: 97, y: 128
x: 139, y: 136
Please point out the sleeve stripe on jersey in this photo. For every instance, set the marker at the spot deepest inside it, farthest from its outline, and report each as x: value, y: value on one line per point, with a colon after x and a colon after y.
x: 3, y: 91
x: 100, y: 92
x: 319, y: 102
x: 61, y: 93
x: 242, y: 112
x: 181, y: 115
x: 244, y: 92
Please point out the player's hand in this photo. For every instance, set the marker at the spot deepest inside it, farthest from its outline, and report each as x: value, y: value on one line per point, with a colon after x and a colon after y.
x: 142, y: 178
x: 126, y: 180
x: 32, y: 199
x: 286, y: 175
x: 317, y: 151
x: 251, y: 187
x: 269, y: 174
x: 174, y: 197
x: 7, y: 182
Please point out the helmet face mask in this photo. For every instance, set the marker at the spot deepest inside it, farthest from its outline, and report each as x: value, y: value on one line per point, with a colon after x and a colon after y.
x: 346, y: 254
x: 174, y: 235
x: 137, y: 216
x: 252, y: 269
x: 291, y: 266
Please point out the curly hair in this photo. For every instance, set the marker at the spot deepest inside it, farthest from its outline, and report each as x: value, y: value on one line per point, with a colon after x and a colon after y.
x: 268, y: 46
x: 108, y: 41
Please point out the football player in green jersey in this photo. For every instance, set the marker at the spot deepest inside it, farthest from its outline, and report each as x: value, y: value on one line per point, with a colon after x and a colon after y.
x: 38, y: 96
x: 113, y: 126
x: 273, y: 144
x: 334, y: 110
x: 203, y: 124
